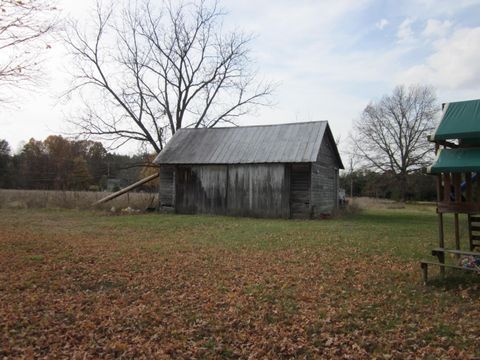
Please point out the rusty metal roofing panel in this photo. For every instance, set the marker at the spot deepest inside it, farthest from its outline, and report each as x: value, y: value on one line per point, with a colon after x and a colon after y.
x: 295, y: 142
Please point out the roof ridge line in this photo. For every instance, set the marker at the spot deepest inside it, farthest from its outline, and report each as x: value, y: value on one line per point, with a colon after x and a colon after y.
x: 250, y: 126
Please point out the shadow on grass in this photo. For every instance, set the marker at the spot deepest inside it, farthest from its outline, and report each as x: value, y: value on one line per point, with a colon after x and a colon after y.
x: 455, y: 279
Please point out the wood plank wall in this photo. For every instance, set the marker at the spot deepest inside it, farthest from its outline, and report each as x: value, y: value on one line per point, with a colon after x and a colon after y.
x: 201, y: 189
x: 300, y: 206
x: 167, y: 186
x: 257, y: 190
x: 325, y: 179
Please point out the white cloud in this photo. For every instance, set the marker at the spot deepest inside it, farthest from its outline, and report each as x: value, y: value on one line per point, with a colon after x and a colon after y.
x: 405, y: 32
x: 381, y: 24
x: 437, y: 28
x: 454, y: 64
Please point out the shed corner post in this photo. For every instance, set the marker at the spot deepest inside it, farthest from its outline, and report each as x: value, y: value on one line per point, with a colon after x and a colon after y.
x: 227, y: 181
x: 159, y: 203
x: 311, y: 206
x: 176, y: 178
x: 287, y: 192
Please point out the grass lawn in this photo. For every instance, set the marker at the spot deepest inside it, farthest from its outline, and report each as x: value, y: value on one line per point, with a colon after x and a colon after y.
x: 88, y: 285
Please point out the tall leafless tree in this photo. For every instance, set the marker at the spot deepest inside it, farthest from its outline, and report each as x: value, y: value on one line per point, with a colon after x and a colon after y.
x: 145, y: 72
x: 391, y: 134
x: 24, y: 26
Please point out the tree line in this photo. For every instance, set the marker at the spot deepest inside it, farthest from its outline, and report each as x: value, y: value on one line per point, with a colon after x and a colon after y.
x: 58, y: 163
x: 417, y: 186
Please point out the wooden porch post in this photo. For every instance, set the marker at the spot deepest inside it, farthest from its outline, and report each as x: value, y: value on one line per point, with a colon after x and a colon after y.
x: 442, y: 193
x: 457, y: 232
x: 458, y: 201
x: 441, y: 237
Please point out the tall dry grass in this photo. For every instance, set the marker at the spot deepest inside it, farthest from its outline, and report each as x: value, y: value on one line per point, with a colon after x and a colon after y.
x: 374, y: 203
x: 366, y: 203
x: 24, y: 199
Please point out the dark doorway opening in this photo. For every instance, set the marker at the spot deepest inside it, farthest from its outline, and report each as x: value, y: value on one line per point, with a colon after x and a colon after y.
x: 300, y: 191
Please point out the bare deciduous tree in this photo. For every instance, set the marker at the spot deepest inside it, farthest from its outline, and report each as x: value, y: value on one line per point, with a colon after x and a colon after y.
x: 23, y: 29
x: 146, y: 72
x: 391, y: 134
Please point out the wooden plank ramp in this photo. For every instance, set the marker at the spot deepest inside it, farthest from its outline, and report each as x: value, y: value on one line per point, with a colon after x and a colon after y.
x: 127, y: 189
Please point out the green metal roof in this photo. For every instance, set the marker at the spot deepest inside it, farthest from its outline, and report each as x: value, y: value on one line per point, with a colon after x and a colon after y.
x: 460, y: 120
x: 456, y: 160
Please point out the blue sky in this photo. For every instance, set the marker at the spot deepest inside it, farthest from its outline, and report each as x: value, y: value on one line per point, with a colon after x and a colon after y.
x: 330, y: 58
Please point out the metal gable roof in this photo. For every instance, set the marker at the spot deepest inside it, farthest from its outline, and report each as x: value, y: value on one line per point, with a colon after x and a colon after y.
x: 283, y: 143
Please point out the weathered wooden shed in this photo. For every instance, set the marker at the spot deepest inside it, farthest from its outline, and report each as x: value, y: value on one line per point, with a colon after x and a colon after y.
x: 287, y: 170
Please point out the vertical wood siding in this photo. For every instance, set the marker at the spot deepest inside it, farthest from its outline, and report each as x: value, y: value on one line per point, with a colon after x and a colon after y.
x: 201, y: 189
x: 167, y: 185
x: 324, y: 190
x: 258, y: 190
x: 300, y: 191
x: 326, y: 155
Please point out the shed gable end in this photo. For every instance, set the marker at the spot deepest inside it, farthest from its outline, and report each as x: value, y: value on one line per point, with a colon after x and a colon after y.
x: 328, y: 154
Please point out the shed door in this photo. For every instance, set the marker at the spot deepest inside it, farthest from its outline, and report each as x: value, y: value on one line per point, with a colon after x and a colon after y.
x: 185, y: 181
x: 300, y: 191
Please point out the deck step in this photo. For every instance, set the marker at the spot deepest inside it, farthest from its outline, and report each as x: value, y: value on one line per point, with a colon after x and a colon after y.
x: 436, y: 251
x: 428, y: 262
